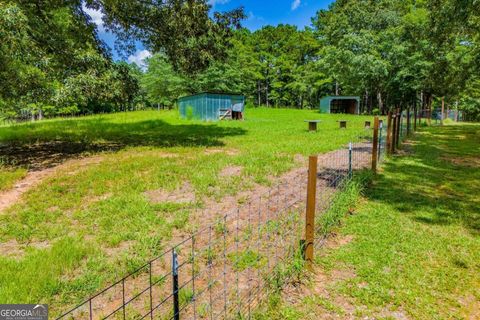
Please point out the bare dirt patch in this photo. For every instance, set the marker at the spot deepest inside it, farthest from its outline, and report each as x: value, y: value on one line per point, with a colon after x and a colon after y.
x: 300, y: 159
x: 464, y: 161
x: 388, y: 313
x: 183, y: 194
x: 229, y: 152
x: 335, y: 241
x: 471, y: 305
x: 33, y: 178
x: 121, y: 247
x: 11, y: 249
x: 102, y: 197
x: 320, y: 287
x: 231, y: 171
x: 16, y: 250
x: 407, y: 148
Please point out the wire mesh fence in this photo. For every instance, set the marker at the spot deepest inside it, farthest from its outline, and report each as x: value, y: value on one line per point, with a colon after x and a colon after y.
x: 226, y: 268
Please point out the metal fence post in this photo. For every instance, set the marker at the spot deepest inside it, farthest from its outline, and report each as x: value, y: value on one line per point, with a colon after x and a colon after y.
x: 380, y: 138
x: 399, y: 120
x: 409, y: 124
x: 90, y: 308
x: 393, y: 142
x: 194, y: 299
x: 400, y: 127
x: 310, y: 211
x: 176, y: 305
x: 415, y: 116
x: 150, y: 288
x: 389, y: 132
x: 123, y: 300
x: 443, y: 111
x: 350, y: 149
x: 375, y: 144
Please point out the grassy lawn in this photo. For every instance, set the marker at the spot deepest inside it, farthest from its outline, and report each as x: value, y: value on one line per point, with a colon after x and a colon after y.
x: 9, y: 175
x: 412, y: 248
x: 91, y: 221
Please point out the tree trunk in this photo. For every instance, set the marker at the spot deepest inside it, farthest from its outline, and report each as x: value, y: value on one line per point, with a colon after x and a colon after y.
x: 366, y: 101
x: 380, y: 102
x: 429, y: 108
x: 415, y: 113
x: 266, y: 93
x: 420, y: 114
x: 336, y: 88
x: 258, y: 93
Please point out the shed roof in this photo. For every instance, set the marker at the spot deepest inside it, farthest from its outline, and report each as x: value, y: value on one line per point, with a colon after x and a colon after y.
x: 341, y: 98
x: 212, y: 93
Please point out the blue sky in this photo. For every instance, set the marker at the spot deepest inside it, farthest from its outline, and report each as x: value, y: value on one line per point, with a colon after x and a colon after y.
x: 260, y: 13
x: 273, y: 12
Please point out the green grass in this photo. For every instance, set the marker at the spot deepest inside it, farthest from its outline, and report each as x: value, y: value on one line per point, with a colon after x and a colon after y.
x: 415, y: 251
x: 275, y: 308
x: 101, y: 206
x: 9, y: 175
x: 246, y: 259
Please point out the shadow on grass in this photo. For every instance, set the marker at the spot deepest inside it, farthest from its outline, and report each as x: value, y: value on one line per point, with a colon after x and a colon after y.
x: 429, y: 186
x: 54, y: 142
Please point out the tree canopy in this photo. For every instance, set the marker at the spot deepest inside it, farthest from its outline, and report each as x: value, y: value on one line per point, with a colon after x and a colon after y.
x: 53, y: 62
x: 391, y: 53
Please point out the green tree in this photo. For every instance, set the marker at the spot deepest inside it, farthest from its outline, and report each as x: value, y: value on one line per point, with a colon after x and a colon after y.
x: 161, y: 82
x: 183, y: 29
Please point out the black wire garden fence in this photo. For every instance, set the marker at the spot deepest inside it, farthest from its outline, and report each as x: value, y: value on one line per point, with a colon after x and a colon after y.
x: 227, y: 268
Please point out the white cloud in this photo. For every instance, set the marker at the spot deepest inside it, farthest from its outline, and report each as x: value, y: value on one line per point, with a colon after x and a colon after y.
x: 215, y: 2
x: 296, y: 4
x: 139, y: 58
x: 96, y: 16
x: 254, y: 18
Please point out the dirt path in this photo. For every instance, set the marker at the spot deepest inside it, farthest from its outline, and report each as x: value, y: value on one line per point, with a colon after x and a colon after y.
x: 10, y: 197
x: 238, y: 242
x: 33, y: 178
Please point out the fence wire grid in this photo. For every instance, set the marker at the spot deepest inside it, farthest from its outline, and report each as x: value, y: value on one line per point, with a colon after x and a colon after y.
x: 226, y: 269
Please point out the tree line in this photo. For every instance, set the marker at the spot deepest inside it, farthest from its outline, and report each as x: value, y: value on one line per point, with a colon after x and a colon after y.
x: 52, y: 61
x: 393, y: 54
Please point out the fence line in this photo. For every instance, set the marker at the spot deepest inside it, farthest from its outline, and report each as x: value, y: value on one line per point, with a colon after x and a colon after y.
x: 225, y: 269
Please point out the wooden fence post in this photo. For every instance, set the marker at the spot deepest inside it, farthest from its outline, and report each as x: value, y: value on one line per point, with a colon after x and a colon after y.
x: 376, y: 124
x: 310, y: 212
x: 389, y: 132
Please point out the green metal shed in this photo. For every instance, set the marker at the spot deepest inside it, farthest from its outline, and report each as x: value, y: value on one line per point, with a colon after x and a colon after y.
x: 340, y: 104
x: 211, y: 106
